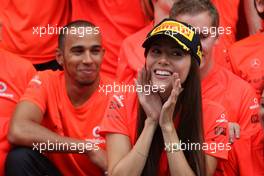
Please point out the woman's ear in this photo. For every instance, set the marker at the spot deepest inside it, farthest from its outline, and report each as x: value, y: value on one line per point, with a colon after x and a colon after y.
x: 59, y: 57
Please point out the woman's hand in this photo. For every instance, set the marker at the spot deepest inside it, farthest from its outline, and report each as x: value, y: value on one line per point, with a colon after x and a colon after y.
x: 166, y: 115
x: 150, y: 101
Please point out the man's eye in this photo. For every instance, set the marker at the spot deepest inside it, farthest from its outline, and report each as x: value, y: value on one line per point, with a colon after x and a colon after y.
x: 78, y: 51
x: 95, y: 51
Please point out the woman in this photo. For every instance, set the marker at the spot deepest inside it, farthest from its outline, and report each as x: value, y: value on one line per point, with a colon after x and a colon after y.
x: 171, y: 114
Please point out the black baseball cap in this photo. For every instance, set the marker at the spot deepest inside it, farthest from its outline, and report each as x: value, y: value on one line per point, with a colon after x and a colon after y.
x: 184, y: 34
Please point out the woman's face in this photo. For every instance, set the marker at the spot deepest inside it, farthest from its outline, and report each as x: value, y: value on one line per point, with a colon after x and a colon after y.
x: 165, y: 58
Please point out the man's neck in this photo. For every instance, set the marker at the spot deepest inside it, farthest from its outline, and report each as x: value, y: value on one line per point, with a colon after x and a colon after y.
x: 204, y: 72
x: 79, y: 94
x: 159, y: 15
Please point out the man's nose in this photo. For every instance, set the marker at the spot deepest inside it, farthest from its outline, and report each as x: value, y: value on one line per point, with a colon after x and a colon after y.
x: 87, y: 58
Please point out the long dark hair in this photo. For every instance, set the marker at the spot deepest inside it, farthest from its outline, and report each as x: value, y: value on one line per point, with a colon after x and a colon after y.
x: 189, y: 130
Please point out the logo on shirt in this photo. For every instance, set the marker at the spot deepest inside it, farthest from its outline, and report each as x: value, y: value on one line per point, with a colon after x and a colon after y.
x: 255, y: 105
x: 3, y: 89
x: 222, y: 118
x: 254, y: 118
x: 255, y: 63
x: 36, y: 80
x: 220, y: 131
x: 96, y: 132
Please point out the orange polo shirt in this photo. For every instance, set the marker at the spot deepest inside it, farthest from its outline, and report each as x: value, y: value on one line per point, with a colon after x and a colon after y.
x: 116, y: 19
x: 247, y: 60
x: 241, y: 161
x: 121, y: 118
x: 228, y: 14
x: 25, y: 23
x: 48, y: 91
x: 15, y: 73
x: 241, y: 103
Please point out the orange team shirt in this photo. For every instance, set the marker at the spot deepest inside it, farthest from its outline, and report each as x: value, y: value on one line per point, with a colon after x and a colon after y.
x: 47, y: 90
x: 116, y: 19
x: 241, y: 103
x: 240, y: 161
x: 247, y: 60
x: 131, y: 55
x: 228, y: 14
x: 235, y: 94
x: 15, y: 73
x: 121, y: 118
x: 30, y: 27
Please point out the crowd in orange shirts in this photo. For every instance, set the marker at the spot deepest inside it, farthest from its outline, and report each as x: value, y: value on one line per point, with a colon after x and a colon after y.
x: 114, y: 87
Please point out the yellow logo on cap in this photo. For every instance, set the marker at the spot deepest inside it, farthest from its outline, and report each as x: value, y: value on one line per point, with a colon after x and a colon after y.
x: 199, y: 52
x: 174, y: 27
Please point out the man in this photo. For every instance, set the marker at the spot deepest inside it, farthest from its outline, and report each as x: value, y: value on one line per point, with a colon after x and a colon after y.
x: 15, y: 73
x: 246, y: 56
x: 117, y: 20
x: 220, y: 85
x: 60, y: 111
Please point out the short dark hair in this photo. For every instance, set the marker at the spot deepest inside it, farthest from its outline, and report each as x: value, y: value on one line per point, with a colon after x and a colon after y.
x: 194, y: 7
x: 76, y: 24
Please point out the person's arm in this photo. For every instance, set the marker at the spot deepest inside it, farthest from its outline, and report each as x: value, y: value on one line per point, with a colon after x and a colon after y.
x: 26, y: 130
x: 170, y: 135
x: 122, y: 160
x: 211, y: 163
x: 182, y: 167
x: 252, y: 17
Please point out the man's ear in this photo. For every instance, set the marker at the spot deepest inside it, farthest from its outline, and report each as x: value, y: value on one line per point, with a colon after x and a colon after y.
x: 59, y: 57
x: 260, y: 6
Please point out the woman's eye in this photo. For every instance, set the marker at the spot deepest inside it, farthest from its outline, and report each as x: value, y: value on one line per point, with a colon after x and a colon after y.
x: 177, y: 53
x: 155, y: 51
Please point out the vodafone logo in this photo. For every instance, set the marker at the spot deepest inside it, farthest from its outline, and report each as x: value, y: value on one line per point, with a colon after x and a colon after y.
x: 3, y: 87
x: 96, y: 132
x: 255, y: 105
x: 222, y: 118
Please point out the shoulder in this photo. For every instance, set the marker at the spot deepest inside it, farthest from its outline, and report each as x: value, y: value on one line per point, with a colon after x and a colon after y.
x: 138, y: 37
x: 15, y: 62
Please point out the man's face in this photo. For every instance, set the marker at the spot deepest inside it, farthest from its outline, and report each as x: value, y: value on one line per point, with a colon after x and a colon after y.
x: 202, y: 21
x: 82, y: 57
